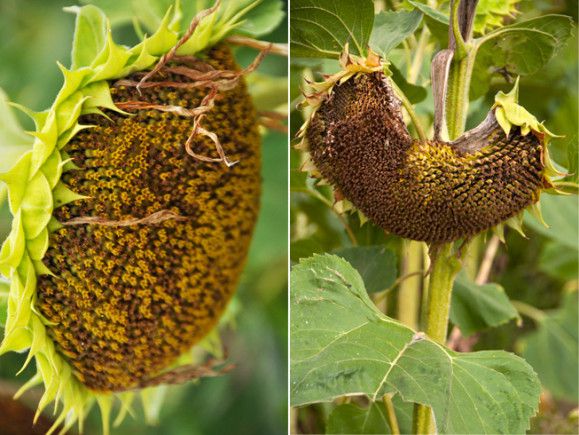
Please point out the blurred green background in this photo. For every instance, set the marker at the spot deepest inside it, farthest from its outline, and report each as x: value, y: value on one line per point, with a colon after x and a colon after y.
x: 34, y: 35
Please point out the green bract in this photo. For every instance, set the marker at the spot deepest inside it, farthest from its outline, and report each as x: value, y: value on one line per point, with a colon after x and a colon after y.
x: 35, y: 188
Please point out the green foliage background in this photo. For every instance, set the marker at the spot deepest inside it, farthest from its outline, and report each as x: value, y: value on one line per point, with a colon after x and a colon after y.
x: 34, y: 34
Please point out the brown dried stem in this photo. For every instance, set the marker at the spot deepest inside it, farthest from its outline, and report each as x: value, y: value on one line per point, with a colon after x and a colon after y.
x: 188, y: 372
x: 155, y: 218
x: 279, y: 49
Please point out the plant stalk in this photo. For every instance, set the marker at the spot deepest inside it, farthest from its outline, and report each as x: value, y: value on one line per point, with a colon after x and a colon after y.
x: 409, y: 289
x: 391, y: 415
x: 446, y: 266
x: 444, y: 270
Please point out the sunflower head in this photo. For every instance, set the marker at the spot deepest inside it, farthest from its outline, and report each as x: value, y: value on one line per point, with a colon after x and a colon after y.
x: 429, y: 190
x: 132, y: 212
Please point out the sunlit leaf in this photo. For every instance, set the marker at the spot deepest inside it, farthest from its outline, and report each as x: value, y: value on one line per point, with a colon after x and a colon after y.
x: 519, y: 49
x: 321, y: 28
x: 391, y: 28
x: 376, y: 265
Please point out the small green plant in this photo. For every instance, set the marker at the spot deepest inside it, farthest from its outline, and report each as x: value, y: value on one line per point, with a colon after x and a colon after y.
x: 443, y: 195
x: 134, y: 206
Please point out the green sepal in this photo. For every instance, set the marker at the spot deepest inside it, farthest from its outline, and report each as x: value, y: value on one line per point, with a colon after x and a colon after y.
x: 110, y: 62
x: 52, y: 168
x: 37, y: 247
x: 45, y: 144
x: 18, y: 341
x: 13, y: 247
x: 516, y: 223
x: 54, y: 225
x: 63, y: 195
x: 151, y: 399
x: 499, y: 231
x: 69, y: 111
x: 68, y: 135
x: 126, y: 399
x: 42, y: 269
x: 99, y: 96
x: 31, y: 383
x: 38, y: 342
x: 162, y: 40
x: 73, y: 81
x: 508, y: 113
x: 36, y: 205
x: 91, y: 25
x: 536, y: 212
x: 39, y: 118
x: 105, y: 402
x: 16, y: 179
x: 217, y: 26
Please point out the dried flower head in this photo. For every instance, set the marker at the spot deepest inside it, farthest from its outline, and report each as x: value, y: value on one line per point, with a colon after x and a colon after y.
x: 432, y: 191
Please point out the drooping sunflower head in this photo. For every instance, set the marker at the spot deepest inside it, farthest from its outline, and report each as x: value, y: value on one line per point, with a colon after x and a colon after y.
x: 133, y: 211
x: 426, y: 190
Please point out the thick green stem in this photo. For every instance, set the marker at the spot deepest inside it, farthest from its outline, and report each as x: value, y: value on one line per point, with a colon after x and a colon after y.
x: 444, y: 270
x: 459, y: 77
x: 409, y: 289
x: 446, y: 266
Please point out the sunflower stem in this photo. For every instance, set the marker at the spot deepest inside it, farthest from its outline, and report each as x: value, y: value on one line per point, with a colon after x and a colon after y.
x: 409, y: 289
x: 444, y: 270
x: 445, y: 265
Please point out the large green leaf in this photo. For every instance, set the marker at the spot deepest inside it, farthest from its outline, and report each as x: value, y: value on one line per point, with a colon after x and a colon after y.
x: 376, y: 265
x: 553, y: 352
x: 391, y: 28
x: 435, y: 20
x: 478, y: 307
x: 263, y: 18
x: 342, y: 345
x: 561, y: 214
x: 321, y: 28
x: 521, y: 48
